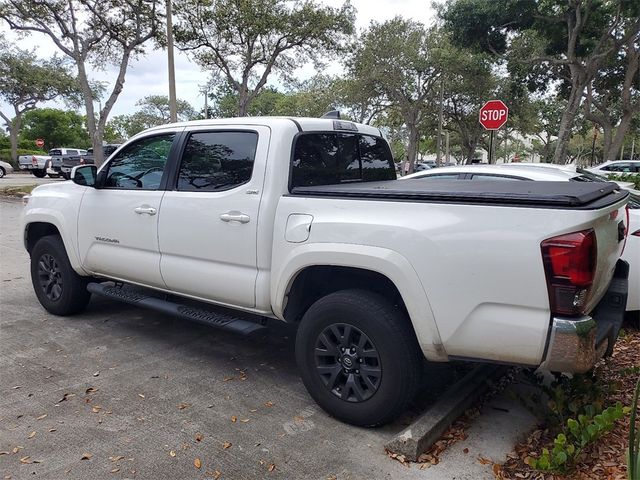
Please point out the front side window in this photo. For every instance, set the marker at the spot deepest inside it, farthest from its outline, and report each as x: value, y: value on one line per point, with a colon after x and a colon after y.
x: 217, y: 161
x: 333, y: 158
x: 140, y: 165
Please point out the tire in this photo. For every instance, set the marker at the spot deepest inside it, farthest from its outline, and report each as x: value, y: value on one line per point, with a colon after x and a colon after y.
x: 65, y: 176
x: 391, y: 355
x: 59, y: 288
x: 2, y: 172
x: 39, y: 173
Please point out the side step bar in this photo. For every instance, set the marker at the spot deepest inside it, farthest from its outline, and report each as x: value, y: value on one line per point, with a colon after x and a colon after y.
x: 211, y: 318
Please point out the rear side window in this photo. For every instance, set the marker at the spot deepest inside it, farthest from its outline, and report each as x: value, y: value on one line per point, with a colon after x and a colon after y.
x: 333, y: 158
x: 55, y: 152
x: 217, y: 161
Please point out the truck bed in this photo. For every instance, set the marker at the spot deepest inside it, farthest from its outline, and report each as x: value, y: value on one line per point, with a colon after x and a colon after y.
x: 517, y: 193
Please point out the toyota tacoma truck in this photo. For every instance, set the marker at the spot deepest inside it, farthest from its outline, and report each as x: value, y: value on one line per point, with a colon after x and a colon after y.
x: 233, y: 222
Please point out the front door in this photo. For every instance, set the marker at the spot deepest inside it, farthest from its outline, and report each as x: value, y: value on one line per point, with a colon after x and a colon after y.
x: 208, y: 221
x: 119, y: 234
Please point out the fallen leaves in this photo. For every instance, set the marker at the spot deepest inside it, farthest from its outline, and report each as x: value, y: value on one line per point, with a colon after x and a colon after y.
x: 90, y: 390
x: 26, y: 459
x: 226, y: 445
x: 197, y: 463
x: 183, y: 406
x: 272, y: 467
x: 199, y: 437
x: 32, y: 434
x: 172, y: 453
x: 44, y: 415
x: 95, y: 374
x: 86, y: 456
x: 96, y: 408
x: 234, y: 419
x: 116, y: 458
x: 269, y: 404
x: 66, y: 396
x: 141, y: 395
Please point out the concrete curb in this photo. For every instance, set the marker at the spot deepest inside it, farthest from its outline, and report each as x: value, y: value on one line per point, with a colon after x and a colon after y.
x: 429, y: 426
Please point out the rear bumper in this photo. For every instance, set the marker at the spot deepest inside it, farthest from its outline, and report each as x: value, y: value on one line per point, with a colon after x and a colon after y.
x: 576, y: 344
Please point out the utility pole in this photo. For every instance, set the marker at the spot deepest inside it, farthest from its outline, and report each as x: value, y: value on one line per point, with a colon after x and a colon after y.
x: 206, y: 103
x: 633, y: 147
x: 447, y: 147
x: 173, y: 109
x: 439, y: 142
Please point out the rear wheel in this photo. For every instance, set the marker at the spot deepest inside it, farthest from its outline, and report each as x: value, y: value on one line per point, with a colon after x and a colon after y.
x: 358, y: 357
x: 59, y: 288
x: 40, y: 173
x: 2, y: 172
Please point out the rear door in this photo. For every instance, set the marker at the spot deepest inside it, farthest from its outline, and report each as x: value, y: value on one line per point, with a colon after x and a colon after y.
x: 209, y: 217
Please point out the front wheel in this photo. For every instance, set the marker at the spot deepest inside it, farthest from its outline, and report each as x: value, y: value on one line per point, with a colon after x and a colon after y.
x: 358, y: 357
x: 2, y: 172
x: 39, y: 173
x: 59, y: 288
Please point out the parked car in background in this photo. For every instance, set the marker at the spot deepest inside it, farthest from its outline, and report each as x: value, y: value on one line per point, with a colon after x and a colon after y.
x: 617, y: 166
x: 36, y: 164
x: 59, y: 155
x: 554, y: 173
x: 85, y: 159
x: 5, y: 168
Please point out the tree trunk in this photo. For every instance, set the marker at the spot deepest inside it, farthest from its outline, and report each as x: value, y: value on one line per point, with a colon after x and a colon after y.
x: 243, y: 101
x: 412, y: 148
x: 14, y: 130
x: 616, y: 144
x: 566, y: 123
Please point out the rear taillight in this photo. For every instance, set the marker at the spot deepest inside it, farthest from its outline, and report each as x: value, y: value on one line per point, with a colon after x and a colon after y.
x: 34, y: 161
x: 570, y: 265
x: 82, y: 161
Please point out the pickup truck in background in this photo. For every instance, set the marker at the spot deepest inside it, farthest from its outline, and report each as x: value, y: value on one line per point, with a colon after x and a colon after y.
x: 237, y: 222
x: 41, y: 165
x: 60, y: 155
x: 64, y: 164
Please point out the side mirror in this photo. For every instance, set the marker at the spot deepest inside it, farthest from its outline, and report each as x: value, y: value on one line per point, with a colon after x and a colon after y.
x: 84, y: 175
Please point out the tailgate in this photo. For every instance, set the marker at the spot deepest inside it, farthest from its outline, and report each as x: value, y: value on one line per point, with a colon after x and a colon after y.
x: 610, y: 228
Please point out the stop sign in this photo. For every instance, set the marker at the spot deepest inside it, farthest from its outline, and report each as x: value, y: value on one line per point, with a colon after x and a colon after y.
x: 39, y: 143
x: 493, y: 114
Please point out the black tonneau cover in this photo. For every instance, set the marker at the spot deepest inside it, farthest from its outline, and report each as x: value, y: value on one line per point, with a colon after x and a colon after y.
x: 582, y: 195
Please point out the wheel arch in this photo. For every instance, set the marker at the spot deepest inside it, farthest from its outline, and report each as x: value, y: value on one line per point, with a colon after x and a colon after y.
x: 312, y: 271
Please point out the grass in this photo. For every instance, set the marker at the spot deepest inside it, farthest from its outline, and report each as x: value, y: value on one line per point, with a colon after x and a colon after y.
x: 17, y: 190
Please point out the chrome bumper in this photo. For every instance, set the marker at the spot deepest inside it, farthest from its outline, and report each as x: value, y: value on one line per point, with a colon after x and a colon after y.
x: 572, y: 346
x: 576, y: 344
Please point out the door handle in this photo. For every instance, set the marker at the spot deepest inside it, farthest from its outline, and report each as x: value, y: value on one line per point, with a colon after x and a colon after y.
x: 235, y: 217
x: 143, y: 210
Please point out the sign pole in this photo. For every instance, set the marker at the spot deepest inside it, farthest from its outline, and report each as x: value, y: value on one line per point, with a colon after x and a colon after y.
x: 491, y: 147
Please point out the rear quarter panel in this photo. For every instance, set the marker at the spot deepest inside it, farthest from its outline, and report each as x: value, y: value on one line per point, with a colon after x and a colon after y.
x: 479, y: 267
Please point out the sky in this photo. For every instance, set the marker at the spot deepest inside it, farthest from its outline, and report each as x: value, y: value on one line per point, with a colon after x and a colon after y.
x: 148, y: 75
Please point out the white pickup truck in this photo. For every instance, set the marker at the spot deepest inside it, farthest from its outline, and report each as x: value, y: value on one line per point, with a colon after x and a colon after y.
x: 232, y: 222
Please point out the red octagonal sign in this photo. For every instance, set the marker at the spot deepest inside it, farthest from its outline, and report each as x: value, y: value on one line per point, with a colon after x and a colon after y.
x: 493, y: 114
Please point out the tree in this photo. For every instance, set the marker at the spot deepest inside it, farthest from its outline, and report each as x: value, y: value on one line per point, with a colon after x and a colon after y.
x: 91, y: 33
x: 156, y: 110
x: 394, y: 62
x: 58, y: 128
x: 569, y: 39
x: 244, y: 41
x: 26, y: 81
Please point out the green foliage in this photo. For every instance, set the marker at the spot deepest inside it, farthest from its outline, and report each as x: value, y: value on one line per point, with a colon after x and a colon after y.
x: 633, y: 461
x: 626, y: 177
x: 58, y: 128
x: 575, y: 408
x: 243, y: 43
x: 586, y: 429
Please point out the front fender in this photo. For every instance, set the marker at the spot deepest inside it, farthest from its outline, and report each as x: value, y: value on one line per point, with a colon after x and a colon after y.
x: 380, y: 260
x: 61, y: 211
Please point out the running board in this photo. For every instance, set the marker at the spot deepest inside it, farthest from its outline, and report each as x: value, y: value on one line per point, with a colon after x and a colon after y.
x: 204, y: 316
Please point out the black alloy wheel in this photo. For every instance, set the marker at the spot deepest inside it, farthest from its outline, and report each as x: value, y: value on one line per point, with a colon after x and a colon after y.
x: 348, y: 362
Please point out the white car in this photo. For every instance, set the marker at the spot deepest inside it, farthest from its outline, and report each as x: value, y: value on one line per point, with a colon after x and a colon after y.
x: 552, y: 173
x: 5, y: 168
x: 303, y: 220
x: 617, y: 166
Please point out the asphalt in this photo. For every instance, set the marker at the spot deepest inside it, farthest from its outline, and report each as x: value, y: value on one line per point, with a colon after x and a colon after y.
x: 14, y: 179
x: 143, y: 395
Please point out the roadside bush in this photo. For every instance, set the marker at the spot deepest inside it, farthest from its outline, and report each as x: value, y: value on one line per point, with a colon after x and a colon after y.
x: 626, y: 177
x: 5, y: 155
x: 573, y: 407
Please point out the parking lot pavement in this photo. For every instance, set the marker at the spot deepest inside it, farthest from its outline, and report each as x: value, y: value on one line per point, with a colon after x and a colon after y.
x: 142, y: 395
x: 14, y: 179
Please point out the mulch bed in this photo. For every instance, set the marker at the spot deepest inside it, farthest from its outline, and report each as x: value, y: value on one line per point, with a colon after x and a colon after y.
x: 606, y: 458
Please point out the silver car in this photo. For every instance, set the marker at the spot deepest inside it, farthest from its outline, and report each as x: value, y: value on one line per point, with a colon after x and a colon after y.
x: 5, y: 168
